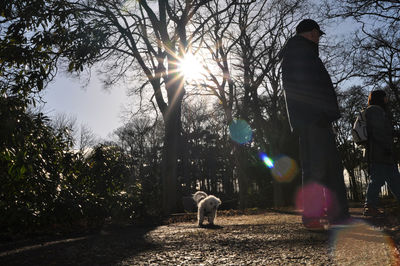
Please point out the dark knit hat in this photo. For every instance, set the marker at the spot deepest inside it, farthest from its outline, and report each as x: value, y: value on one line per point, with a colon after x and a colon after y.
x: 308, y: 25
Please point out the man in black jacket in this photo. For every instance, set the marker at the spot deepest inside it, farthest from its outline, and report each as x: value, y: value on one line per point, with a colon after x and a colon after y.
x: 312, y: 106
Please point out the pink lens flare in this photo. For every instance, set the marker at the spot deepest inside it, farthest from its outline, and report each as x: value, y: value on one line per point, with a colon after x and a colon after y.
x: 316, y: 201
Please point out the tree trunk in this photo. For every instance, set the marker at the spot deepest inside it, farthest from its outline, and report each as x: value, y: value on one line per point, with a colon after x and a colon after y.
x: 354, y: 188
x: 170, y: 167
x: 241, y: 175
x: 172, y: 119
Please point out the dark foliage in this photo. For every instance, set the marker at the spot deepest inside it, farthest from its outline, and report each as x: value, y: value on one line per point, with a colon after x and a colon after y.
x: 45, y: 185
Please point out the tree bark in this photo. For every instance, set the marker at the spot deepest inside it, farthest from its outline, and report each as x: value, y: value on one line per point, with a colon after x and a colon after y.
x: 172, y: 139
x: 241, y: 175
x: 170, y: 166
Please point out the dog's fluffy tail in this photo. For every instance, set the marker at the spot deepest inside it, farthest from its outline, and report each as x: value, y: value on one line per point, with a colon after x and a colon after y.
x: 198, y: 196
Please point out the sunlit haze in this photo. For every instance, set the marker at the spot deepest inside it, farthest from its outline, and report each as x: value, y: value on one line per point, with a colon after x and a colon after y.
x: 190, y: 66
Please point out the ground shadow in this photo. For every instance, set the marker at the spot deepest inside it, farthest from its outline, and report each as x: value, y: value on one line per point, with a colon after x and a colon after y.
x: 211, y: 226
x: 107, y: 247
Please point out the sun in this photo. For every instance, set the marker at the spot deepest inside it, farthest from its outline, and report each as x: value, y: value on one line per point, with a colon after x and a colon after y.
x: 191, y: 68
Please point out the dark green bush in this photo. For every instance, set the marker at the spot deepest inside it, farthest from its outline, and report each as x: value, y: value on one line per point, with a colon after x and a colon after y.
x: 45, y: 185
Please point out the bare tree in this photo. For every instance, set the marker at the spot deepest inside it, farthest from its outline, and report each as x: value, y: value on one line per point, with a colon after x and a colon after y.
x: 376, y: 44
x: 145, y: 37
x: 65, y: 126
x: 87, y: 139
x: 374, y: 47
x: 378, y: 59
x: 243, y: 73
x: 262, y: 37
x: 385, y: 10
x: 82, y: 137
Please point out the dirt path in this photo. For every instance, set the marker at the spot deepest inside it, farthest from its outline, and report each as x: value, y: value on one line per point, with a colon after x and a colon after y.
x: 262, y: 239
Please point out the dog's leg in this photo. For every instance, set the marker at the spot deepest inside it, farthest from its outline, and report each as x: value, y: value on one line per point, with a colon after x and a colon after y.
x: 211, y: 217
x: 200, y: 216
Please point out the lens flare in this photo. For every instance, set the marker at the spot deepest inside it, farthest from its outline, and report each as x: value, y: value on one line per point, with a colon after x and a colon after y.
x: 285, y: 169
x: 361, y: 243
x: 316, y: 201
x: 266, y: 160
x: 240, y: 131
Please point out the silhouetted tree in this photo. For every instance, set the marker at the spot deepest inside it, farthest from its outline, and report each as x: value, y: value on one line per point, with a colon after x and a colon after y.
x: 263, y: 32
x: 31, y: 36
x: 141, y: 142
x: 144, y: 36
x: 243, y: 73
x: 376, y: 43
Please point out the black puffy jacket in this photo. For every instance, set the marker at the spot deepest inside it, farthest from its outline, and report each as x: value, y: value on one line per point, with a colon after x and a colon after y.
x: 380, y: 136
x: 309, y: 93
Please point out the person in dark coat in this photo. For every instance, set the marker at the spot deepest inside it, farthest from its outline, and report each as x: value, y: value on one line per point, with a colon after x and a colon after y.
x: 312, y: 106
x: 380, y: 152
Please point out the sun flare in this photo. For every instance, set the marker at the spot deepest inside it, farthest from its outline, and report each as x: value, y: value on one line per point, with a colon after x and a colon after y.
x: 191, y: 68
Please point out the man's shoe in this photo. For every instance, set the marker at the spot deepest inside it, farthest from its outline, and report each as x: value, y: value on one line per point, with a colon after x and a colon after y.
x: 313, y: 223
x: 372, y: 212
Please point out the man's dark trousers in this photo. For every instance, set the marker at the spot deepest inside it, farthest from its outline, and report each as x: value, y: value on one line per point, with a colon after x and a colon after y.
x: 321, y: 164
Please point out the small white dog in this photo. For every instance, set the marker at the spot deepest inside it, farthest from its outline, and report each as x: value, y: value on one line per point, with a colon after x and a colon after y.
x: 207, y: 206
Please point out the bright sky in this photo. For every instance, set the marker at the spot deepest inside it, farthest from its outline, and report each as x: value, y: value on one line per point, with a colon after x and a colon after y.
x: 92, y: 106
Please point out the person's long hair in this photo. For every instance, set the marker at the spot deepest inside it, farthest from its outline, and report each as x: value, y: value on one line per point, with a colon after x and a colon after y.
x: 377, y: 97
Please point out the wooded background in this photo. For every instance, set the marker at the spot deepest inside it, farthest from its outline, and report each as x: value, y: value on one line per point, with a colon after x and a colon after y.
x: 54, y: 174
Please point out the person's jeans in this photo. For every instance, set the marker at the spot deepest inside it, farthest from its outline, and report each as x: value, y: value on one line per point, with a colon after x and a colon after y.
x: 321, y: 164
x: 381, y: 173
